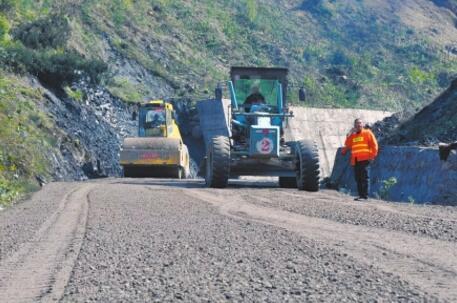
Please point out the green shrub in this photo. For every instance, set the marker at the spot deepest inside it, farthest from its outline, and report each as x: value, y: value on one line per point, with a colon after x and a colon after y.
x: 52, y: 67
x: 7, y: 5
x: 4, y: 28
x: 125, y: 90
x: 9, y: 191
x: 120, y: 8
x: 51, y: 32
x: 229, y: 26
x: 384, y: 191
x: 76, y: 95
x: 62, y: 68
x: 418, y: 76
x: 313, y: 54
x: 329, y: 93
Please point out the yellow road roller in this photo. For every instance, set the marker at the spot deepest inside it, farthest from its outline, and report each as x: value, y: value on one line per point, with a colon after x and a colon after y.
x: 158, y: 151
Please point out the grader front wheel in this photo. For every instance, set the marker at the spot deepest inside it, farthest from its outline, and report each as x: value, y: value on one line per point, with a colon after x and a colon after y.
x: 218, y: 162
x: 307, y: 165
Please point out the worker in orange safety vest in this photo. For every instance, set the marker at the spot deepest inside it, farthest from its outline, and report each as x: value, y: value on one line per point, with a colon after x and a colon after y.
x: 364, y: 149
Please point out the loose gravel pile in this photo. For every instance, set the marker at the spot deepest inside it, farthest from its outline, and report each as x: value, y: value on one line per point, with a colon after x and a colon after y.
x: 429, y: 221
x: 149, y: 247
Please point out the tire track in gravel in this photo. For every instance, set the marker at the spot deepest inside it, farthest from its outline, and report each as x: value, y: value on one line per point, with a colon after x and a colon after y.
x: 393, y: 207
x: 41, y: 267
x: 427, y: 263
x: 341, y: 209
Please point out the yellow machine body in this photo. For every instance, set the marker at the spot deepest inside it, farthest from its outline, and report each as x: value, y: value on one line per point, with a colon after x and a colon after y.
x: 158, y: 151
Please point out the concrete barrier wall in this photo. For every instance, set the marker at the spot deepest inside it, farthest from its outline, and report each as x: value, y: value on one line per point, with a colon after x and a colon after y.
x: 328, y: 127
x: 421, y: 176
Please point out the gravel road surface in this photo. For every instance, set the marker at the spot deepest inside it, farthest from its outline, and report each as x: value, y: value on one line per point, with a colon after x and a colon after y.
x: 156, y: 240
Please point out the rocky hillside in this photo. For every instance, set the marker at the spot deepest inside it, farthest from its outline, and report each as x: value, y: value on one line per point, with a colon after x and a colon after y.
x: 45, y: 137
x: 68, y: 67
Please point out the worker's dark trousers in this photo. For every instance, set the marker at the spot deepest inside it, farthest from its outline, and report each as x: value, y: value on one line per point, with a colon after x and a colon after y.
x: 362, y: 178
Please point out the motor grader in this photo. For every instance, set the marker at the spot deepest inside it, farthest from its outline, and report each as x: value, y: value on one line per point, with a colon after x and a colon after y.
x: 158, y: 151
x: 253, y: 143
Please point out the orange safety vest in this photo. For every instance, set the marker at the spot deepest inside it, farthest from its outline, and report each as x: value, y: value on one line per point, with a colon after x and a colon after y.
x: 363, y: 146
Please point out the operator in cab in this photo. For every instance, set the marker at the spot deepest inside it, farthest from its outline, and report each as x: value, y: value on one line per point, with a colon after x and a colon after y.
x: 254, y: 98
x: 155, y: 117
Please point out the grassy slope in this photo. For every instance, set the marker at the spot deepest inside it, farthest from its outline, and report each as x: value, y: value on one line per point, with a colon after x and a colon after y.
x: 384, y: 63
x: 356, y: 53
x: 25, y: 138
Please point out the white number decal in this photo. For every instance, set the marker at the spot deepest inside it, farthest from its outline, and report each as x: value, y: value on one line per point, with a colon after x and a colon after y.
x: 265, y: 146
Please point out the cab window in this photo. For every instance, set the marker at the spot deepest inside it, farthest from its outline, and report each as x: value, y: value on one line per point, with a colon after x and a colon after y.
x: 155, y: 117
x: 267, y: 88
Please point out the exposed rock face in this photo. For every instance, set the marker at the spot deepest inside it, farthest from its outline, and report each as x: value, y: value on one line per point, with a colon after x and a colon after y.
x: 89, y: 133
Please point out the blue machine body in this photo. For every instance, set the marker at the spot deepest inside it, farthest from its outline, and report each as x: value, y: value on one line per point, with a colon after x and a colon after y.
x: 264, y: 141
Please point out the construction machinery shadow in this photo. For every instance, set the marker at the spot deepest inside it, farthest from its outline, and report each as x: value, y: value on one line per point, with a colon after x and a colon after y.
x: 198, y: 183
x: 163, y: 182
x: 188, y: 120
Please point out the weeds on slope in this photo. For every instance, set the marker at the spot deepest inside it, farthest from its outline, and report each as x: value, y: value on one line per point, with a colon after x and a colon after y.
x: 25, y: 138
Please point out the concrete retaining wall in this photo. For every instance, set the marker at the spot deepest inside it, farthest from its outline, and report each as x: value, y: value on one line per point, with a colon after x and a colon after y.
x: 328, y: 127
x: 421, y: 176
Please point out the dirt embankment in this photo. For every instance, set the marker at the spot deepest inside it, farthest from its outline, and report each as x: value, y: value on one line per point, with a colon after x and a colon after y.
x: 434, y: 123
